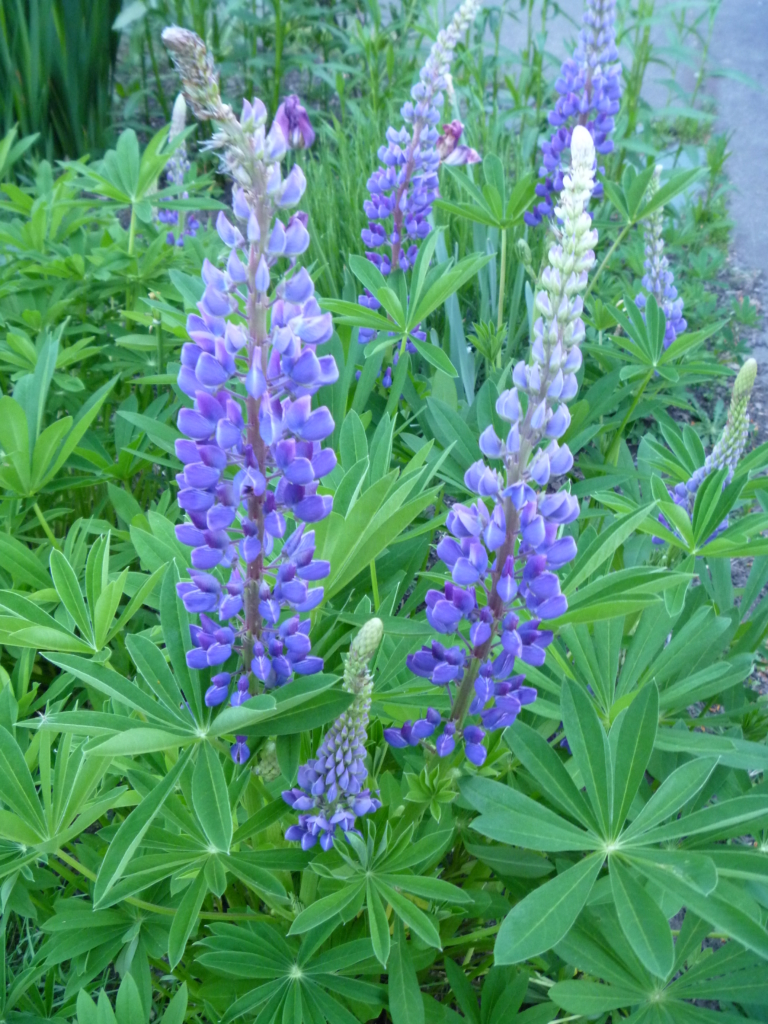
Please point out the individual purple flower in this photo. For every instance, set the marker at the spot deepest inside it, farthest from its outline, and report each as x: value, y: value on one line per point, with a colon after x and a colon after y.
x: 252, y: 456
x: 449, y: 150
x: 589, y: 90
x: 331, y: 792
x: 294, y: 121
x: 240, y: 751
x: 502, y: 549
x: 658, y: 279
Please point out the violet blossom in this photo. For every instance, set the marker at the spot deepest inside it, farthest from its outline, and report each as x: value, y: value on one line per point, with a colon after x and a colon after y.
x: 252, y: 449
x: 590, y: 93
x: 502, y: 549
x: 294, y: 122
x: 330, y: 795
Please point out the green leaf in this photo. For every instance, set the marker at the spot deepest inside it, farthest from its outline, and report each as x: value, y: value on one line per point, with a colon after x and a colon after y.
x: 637, y: 733
x: 16, y: 785
x: 405, y: 1005
x: 509, y: 816
x: 589, y: 744
x: 545, y: 916
x: 604, y: 546
x: 671, y: 796
x: 446, y: 285
x: 324, y: 909
x: 549, y: 771
x: 642, y: 921
x: 210, y: 798
x: 68, y: 589
x: 435, y: 356
x: 377, y: 924
x: 696, y: 869
x: 420, y: 923
x: 367, y: 274
x: 175, y: 623
x: 176, y: 1010
x: 591, y: 998
x: 185, y: 919
x: 14, y: 441
x: 132, y: 831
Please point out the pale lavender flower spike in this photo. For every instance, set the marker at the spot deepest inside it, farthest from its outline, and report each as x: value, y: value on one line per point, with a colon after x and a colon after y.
x: 658, y: 279
x: 508, y: 542
x: 331, y: 792
x: 256, y: 334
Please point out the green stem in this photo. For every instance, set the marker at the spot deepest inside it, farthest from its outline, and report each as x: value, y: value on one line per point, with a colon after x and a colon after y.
x: 132, y: 231
x: 613, y: 452
x: 399, y: 379
x: 46, y: 528
x: 620, y: 238
x: 278, y: 54
x: 156, y: 72
x: 502, y: 279
x: 482, y: 933
x: 375, y: 586
x: 159, y: 342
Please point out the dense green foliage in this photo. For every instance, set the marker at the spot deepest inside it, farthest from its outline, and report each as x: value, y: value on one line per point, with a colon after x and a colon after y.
x: 144, y: 876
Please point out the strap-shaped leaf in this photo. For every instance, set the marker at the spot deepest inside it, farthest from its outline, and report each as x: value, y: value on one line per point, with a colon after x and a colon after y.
x: 642, y: 921
x: 130, y: 834
x: 549, y: 771
x: 509, y: 816
x: 637, y: 733
x: 540, y: 920
x: 16, y: 785
x: 589, y: 743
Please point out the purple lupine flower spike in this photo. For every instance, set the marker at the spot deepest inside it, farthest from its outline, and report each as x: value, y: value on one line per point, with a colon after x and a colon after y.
x: 507, y: 543
x: 726, y: 453
x: 590, y: 94
x: 405, y: 185
x: 658, y: 279
x: 331, y: 792
x: 178, y: 165
x: 254, y: 464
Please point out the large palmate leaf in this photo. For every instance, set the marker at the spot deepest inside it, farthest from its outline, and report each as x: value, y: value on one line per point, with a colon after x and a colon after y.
x: 642, y: 852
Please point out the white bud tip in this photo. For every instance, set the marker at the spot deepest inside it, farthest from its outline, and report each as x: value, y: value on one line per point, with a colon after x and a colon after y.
x: 178, y: 115
x: 582, y: 147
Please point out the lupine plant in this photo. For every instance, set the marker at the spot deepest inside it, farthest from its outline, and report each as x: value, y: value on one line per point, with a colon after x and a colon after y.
x: 251, y: 368
x: 518, y: 542
x: 324, y: 706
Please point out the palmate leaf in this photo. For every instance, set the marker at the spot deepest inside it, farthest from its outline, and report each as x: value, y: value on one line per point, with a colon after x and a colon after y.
x: 379, y: 873
x: 613, y: 773
x: 596, y: 946
x: 291, y: 971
